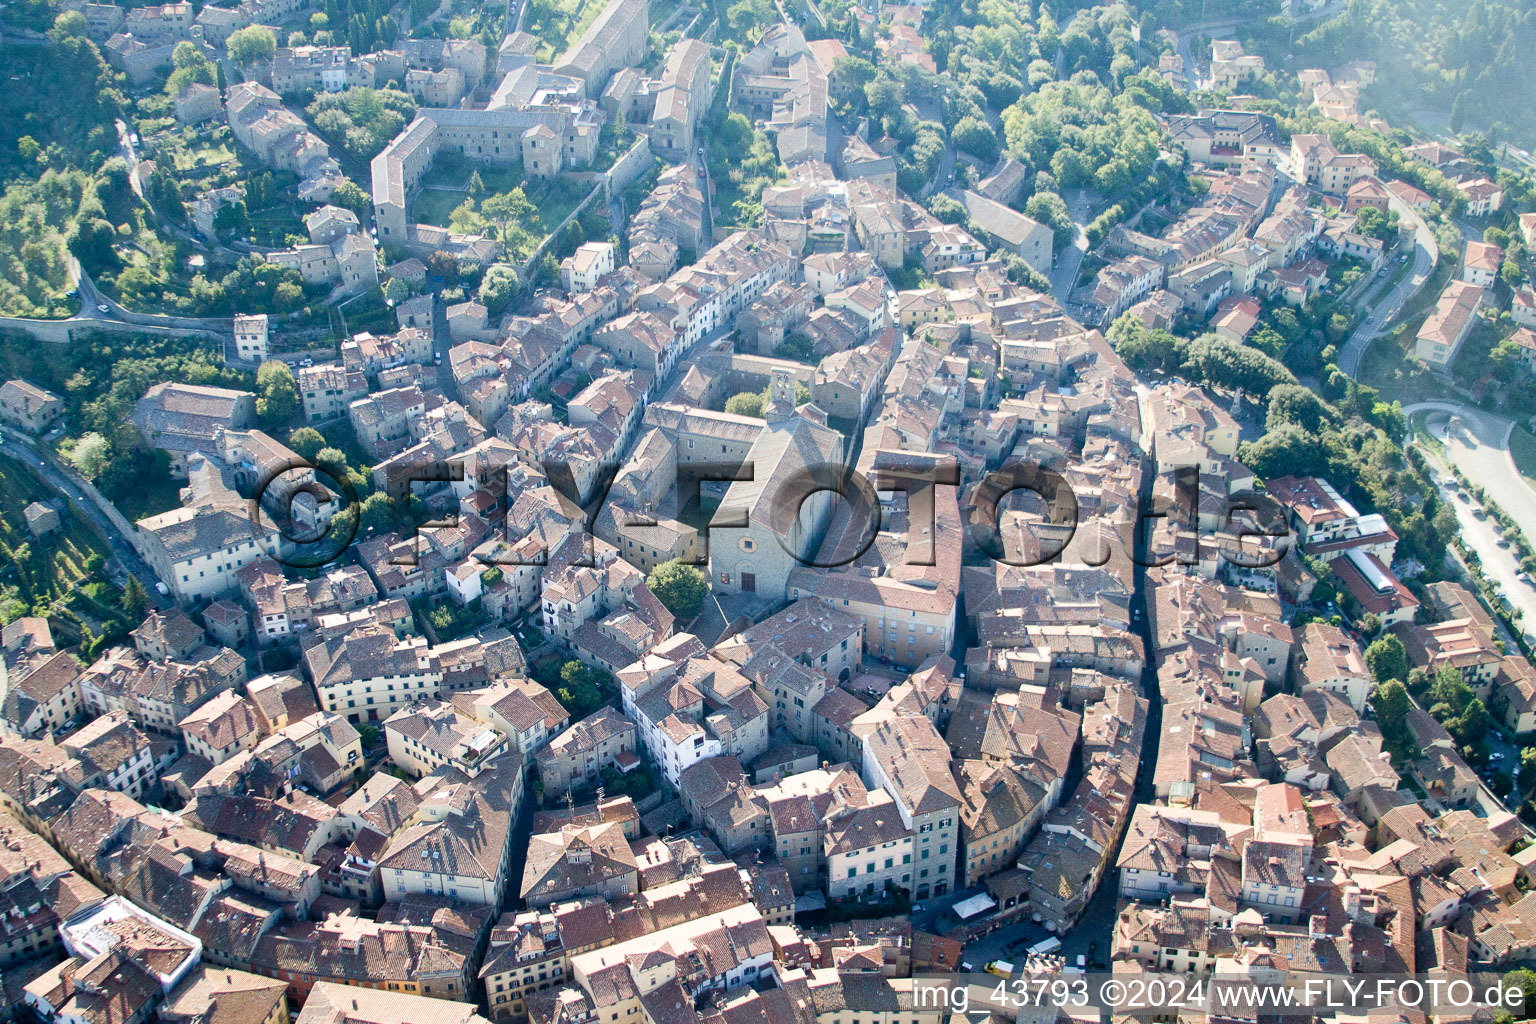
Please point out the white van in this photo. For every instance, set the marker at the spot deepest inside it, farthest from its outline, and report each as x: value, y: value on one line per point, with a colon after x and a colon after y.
x: 1045, y: 946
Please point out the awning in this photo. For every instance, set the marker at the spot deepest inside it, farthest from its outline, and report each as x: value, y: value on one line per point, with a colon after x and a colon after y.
x: 973, y: 905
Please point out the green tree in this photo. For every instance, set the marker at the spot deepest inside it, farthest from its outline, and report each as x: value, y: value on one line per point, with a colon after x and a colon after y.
x: 188, y: 56
x: 92, y: 241
x: 1288, y: 451
x: 680, y: 587
x: 251, y: 45
x: 69, y: 25
x: 288, y: 296
x: 947, y: 209
x: 1526, y: 778
x: 443, y: 264
x: 350, y: 195
x: 230, y: 218
x: 746, y: 18
x: 579, y: 690
x: 1295, y: 404
x: 1392, y: 705
x: 1051, y: 210
x: 506, y: 208
x: 1505, y: 357
x: 1459, y: 112
x: 306, y: 442
x: 1448, y: 690
x: 164, y: 194
x: 1387, y: 658
x: 498, y: 287
x: 135, y: 599
x: 974, y: 136
x: 797, y: 347
x: 747, y: 403
x: 852, y: 74
x: 1473, y: 723
x: 1142, y: 348
x: 1525, y: 980
x: 261, y: 190
x: 377, y: 513
x: 397, y: 290
x: 884, y: 96
x: 90, y: 455
x: 277, y: 393
x: 331, y: 459
x: 190, y: 64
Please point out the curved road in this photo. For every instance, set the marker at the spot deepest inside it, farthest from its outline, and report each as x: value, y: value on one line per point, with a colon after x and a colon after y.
x: 1482, y: 454
x: 101, y: 310
x: 45, y: 466
x: 1386, y: 308
x: 92, y: 299
x: 1483, y: 457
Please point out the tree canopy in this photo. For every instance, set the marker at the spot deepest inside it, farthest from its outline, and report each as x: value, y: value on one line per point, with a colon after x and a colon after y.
x: 680, y: 587
x: 747, y: 403
x: 306, y: 442
x: 251, y: 45
x: 362, y: 121
x: 277, y: 393
x: 1387, y: 658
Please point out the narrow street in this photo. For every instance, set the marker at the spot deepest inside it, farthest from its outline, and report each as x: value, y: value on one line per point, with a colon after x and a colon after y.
x: 1064, y: 271
x: 1091, y: 936
x: 709, y: 198
x: 1386, y: 309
